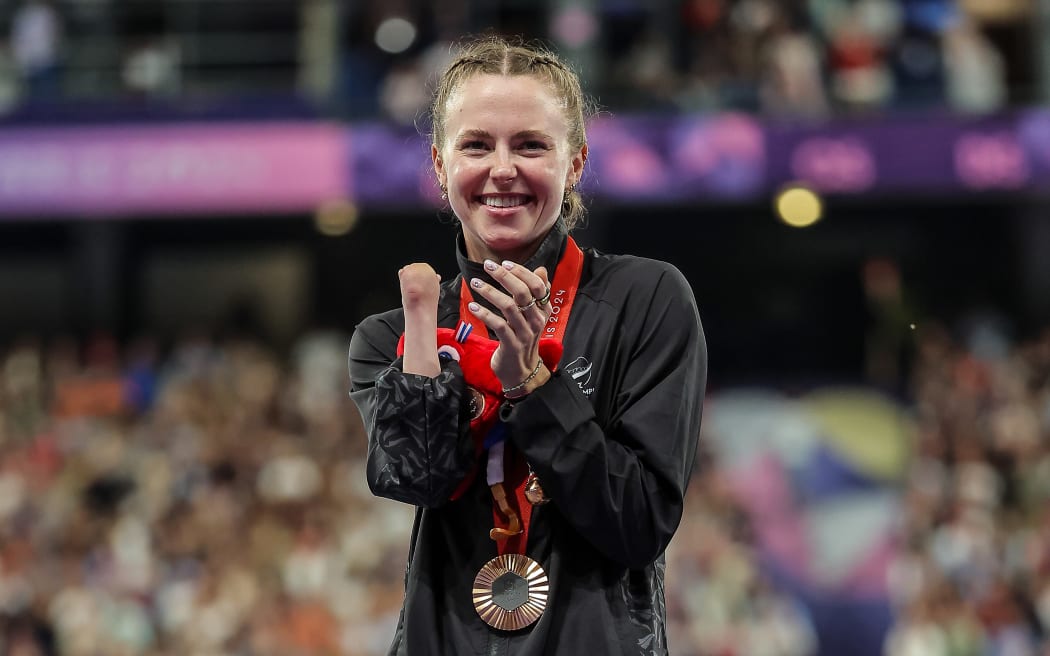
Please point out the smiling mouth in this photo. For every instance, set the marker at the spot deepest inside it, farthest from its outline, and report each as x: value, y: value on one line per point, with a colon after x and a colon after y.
x: 510, y: 200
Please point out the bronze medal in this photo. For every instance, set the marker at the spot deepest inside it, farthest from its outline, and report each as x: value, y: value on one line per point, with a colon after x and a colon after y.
x: 476, y: 403
x: 510, y: 592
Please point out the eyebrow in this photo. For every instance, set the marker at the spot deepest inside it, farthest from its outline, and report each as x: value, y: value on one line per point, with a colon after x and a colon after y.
x: 476, y: 133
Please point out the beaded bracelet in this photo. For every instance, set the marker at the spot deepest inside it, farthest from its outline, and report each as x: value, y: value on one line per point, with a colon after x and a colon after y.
x: 524, y: 382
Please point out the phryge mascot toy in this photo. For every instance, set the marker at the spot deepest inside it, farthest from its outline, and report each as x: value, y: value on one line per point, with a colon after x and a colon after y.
x: 485, y: 393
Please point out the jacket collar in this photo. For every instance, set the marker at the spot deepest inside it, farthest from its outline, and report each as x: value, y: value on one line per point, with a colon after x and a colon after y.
x: 548, y: 254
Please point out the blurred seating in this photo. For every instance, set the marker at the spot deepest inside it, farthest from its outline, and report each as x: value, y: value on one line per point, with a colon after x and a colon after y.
x: 209, y: 497
x: 973, y: 576
x: 367, y: 60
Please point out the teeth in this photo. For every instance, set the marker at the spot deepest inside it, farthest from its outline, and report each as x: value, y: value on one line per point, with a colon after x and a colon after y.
x: 503, y: 201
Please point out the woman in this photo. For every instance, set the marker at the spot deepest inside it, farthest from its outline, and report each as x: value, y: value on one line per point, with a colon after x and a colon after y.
x: 588, y: 458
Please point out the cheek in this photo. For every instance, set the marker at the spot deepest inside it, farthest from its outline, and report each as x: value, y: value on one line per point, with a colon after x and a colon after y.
x: 553, y: 178
x: 464, y: 174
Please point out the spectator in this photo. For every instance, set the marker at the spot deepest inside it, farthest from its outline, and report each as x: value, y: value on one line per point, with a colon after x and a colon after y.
x: 976, y: 75
x: 36, y: 44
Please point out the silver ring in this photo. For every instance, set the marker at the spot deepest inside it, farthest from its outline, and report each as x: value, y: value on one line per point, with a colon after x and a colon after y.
x: 522, y: 308
x: 546, y: 297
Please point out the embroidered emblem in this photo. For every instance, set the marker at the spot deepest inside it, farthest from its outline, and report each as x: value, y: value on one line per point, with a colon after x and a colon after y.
x: 580, y: 370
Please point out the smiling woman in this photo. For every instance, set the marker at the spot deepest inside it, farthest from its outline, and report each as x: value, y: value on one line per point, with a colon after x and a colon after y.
x: 546, y: 495
x: 506, y: 164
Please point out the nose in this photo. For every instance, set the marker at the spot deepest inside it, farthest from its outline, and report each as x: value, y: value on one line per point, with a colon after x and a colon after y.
x: 503, y: 169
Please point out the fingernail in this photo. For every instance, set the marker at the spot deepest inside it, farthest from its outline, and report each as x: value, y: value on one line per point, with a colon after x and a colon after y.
x: 490, y: 265
x: 475, y: 283
x: 508, y: 265
x: 473, y: 307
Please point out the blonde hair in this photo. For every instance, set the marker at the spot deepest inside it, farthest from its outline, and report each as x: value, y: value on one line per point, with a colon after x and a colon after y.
x: 495, y: 55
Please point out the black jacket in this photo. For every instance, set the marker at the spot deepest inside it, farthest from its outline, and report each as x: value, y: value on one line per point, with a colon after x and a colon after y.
x: 612, y: 437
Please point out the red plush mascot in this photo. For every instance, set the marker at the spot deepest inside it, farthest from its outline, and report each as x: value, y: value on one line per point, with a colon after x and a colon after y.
x: 485, y: 393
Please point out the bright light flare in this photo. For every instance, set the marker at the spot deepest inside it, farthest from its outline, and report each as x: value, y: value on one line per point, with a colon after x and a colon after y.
x: 395, y: 35
x: 336, y: 218
x: 798, y: 206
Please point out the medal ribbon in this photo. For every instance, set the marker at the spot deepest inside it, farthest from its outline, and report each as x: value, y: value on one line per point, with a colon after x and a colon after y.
x: 563, y: 293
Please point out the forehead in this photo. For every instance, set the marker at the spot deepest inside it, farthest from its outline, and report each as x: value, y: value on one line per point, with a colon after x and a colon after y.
x: 521, y: 101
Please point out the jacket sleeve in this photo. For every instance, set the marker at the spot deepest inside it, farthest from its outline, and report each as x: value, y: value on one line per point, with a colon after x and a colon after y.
x: 419, y: 446
x: 622, y: 485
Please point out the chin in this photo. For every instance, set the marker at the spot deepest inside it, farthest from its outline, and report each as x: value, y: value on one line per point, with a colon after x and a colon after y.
x: 503, y: 232
x: 504, y: 244
x: 508, y: 236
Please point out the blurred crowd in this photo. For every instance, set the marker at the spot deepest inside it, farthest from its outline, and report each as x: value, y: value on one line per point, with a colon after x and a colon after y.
x: 795, y: 58
x: 375, y: 59
x: 207, y: 497
x: 973, y: 572
x: 803, y: 57
x: 211, y: 499
x: 212, y: 502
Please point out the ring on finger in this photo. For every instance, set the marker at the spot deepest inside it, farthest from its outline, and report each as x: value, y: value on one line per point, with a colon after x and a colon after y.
x: 522, y: 308
x: 544, y: 299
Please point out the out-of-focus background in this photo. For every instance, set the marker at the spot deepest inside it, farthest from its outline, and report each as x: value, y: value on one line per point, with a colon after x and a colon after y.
x: 200, y: 198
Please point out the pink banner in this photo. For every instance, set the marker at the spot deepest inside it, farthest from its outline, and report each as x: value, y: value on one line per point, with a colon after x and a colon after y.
x: 172, y: 169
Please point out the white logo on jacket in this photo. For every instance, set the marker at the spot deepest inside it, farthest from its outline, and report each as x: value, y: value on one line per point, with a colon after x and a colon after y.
x: 580, y: 370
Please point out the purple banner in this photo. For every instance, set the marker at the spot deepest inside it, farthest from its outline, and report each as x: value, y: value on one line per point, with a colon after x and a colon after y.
x: 294, y: 167
x: 177, y: 169
x: 730, y: 157
x: 651, y: 159
x: 719, y: 156
x: 902, y: 154
x: 391, y: 167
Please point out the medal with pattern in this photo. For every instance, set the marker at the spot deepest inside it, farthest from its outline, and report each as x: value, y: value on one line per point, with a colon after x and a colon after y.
x: 511, y: 591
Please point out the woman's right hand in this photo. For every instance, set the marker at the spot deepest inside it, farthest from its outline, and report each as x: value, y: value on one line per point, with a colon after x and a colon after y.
x: 420, y: 290
x: 420, y: 287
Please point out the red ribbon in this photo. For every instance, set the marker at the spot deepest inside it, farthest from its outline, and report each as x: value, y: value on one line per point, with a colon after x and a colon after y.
x: 515, y: 469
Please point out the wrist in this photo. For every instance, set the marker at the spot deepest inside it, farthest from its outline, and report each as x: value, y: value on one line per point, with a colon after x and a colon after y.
x: 541, y: 378
x: 539, y: 375
x: 422, y: 311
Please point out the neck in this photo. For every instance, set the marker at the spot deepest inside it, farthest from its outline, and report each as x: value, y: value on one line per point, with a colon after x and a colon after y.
x: 544, y: 252
x: 517, y: 255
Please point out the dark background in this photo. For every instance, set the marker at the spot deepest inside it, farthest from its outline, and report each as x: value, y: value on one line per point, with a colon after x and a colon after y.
x: 777, y: 302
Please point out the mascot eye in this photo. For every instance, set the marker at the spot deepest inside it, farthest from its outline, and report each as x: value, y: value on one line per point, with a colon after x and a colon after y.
x: 448, y: 353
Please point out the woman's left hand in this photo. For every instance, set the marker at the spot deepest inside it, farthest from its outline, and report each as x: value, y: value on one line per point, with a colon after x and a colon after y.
x: 522, y: 322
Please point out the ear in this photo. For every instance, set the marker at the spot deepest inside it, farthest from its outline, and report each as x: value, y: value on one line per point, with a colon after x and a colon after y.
x: 439, y: 165
x: 576, y: 166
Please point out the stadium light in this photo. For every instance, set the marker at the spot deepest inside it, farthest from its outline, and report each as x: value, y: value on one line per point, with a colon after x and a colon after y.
x: 798, y: 206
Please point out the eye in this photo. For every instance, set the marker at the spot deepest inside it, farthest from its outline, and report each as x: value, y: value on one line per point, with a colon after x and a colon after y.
x: 473, y: 144
x: 447, y: 353
x: 534, y: 146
